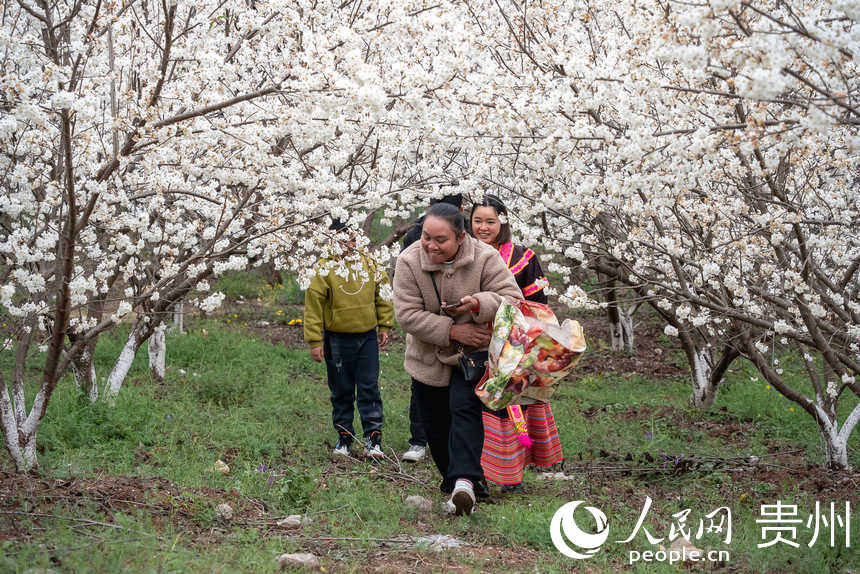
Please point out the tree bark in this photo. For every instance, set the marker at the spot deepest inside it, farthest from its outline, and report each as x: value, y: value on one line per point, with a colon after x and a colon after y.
x: 157, y: 353
x: 704, y: 388
x: 621, y: 329
x: 179, y: 317
x: 836, y: 439
x: 620, y: 319
x: 10, y: 430
x: 706, y: 373
x: 19, y: 436
x: 123, y: 364
x: 85, y: 374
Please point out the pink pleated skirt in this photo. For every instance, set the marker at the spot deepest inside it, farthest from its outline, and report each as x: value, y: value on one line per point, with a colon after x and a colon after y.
x: 504, y: 458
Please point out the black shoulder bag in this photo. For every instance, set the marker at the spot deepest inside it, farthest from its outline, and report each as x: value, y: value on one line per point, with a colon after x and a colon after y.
x: 473, y: 365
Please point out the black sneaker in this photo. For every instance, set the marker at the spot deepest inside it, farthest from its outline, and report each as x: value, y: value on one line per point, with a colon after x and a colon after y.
x: 517, y: 488
x: 344, y: 442
x: 373, y: 445
x: 482, y: 489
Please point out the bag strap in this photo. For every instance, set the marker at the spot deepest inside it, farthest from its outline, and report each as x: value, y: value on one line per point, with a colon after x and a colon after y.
x: 436, y: 289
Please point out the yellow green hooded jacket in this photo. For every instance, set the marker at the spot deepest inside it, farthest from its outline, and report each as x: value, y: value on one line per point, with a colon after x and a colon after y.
x: 347, y: 305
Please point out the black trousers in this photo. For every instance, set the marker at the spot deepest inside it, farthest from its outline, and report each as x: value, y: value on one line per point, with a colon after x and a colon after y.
x: 416, y: 420
x: 455, y: 429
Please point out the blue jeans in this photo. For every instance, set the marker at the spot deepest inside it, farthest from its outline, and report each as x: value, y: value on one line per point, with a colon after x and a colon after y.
x: 352, y: 364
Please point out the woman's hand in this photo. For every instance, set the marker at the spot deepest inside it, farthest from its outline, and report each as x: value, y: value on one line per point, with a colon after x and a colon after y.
x: 466, y: 305
x: 317, y: 354
x: 471, y: 334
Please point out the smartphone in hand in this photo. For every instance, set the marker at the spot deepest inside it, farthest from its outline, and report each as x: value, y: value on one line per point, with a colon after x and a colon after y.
x: 450, y: 308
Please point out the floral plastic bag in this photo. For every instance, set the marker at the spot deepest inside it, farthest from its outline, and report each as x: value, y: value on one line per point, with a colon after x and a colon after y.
x: 529, y: 353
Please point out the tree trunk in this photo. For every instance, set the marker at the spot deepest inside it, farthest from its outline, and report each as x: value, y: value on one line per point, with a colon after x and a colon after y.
x: 621, y: 330
x: 24, y: 456
x: 823, y: 409
x: 123, y: 364
x: 836, y: 439
x: 272, y: 275
x: 704, y: 386
x: 142, y: 330
x: 620, y: 320
x: 84, y: 371
x: 10, y: 432
x: 29, y: 452
x: 701, y: 361
x: 157, y: 352
x: 706, y: 373
x: 178, y: 317
x: 19, y: 431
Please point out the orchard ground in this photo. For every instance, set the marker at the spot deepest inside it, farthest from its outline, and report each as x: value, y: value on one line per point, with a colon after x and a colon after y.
x: 134, y: 487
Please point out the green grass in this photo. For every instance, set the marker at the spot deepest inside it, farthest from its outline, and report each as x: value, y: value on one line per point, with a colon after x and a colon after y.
x: 264, y: 409
x: 248, y: 285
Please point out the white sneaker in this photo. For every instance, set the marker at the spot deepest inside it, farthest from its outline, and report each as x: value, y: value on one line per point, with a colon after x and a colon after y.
x: 341, y: 448
x: 373, y: 446
x: 415, y: 453
x: 463, y: 497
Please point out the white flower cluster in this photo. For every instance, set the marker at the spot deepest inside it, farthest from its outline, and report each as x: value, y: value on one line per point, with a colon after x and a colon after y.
x: 123, y: 309
x: 575, y: 297
x: 212, y: 302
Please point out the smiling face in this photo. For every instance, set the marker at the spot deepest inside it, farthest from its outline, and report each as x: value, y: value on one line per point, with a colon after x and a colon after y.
x: 486, y: 224
x: 439, y: 240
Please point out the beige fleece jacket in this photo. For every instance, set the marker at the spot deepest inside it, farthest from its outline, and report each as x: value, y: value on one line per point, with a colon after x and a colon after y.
x: 477, y: 270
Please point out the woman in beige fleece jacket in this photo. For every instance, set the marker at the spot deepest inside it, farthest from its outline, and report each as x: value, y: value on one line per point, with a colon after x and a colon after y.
x: 471, y: 277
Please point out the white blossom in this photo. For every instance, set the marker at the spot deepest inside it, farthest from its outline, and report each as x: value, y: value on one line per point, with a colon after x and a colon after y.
x: 781, y: 326
x: 212, y: 302
x: 123, y: 309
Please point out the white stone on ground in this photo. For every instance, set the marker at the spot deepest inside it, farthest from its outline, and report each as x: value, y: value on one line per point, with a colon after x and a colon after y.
x: 418, y: 502
x: 224, y: 511
x: 299, y: 559
x: 439, y: 542
x: 292, y: 521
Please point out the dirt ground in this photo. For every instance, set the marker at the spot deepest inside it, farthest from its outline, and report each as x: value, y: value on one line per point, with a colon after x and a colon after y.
x: 651, y: 359
x: 110, y: 494
x: 28, y: 500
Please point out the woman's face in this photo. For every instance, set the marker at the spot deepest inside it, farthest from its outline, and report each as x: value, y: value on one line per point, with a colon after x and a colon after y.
x: 486, y: 224
x: 439, y: 241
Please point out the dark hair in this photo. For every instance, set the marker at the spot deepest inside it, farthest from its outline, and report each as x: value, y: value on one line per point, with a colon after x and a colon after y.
x: 493, y: 201
x: 449, y: 213
x: 455, y: 199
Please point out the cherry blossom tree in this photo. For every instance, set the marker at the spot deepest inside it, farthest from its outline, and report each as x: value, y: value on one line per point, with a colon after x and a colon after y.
x: 703, y: 155
x: 150, y: 146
